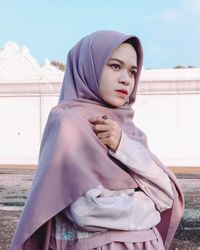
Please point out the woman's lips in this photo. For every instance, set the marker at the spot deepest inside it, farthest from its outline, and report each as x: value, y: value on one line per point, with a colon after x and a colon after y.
x: 122, y: 91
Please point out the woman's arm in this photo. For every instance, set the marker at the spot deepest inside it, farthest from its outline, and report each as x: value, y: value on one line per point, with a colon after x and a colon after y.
x: 151, y: 178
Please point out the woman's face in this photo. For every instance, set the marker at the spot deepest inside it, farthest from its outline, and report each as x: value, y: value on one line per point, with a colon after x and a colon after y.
x: 119, y: 73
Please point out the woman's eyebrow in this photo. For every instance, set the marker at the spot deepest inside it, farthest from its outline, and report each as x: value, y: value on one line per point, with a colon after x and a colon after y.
x: 118, y: 60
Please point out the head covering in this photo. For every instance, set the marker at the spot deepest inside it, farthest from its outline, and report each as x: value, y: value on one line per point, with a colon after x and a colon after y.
x: 72, y: 159
x: 85, y: 62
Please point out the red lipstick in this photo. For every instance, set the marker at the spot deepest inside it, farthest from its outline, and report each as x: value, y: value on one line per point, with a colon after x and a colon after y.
x: 124, y: 91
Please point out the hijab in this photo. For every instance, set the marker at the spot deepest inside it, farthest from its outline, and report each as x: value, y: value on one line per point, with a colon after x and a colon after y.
x: 72, y: 159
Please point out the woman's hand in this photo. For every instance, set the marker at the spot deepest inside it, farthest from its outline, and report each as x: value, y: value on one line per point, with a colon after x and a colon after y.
x: 108, y: 131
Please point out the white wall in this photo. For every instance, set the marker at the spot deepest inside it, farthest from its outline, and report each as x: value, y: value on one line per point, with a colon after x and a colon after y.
x: 27, y: 92
x: 167, y: 109
x: 172, y: 124
x: 22, y: 122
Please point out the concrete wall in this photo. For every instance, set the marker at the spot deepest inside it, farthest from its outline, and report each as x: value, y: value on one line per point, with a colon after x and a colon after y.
x: 172, y: 124
x: 22, y: 122
x: 170, y: 120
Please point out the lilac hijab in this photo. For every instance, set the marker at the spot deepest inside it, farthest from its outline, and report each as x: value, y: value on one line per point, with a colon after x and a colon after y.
x: 72, y: 159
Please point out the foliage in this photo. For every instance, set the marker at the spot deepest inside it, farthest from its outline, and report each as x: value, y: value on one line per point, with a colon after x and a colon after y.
x: 183, y: 67
x: 58, y: 65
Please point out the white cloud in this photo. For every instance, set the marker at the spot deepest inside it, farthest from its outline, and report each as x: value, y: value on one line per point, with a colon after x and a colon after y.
x: 169, y: 15
x: 192, y: 5
x: 189, y: 9
x: 174, y: 36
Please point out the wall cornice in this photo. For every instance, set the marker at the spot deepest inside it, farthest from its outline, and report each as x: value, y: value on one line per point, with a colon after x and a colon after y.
x: 20, y: 74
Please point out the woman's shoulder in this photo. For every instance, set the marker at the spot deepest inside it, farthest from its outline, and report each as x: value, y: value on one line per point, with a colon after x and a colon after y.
x: 62, y: 113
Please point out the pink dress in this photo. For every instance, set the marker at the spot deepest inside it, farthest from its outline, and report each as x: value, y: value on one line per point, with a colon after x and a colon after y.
x: 118, y: 219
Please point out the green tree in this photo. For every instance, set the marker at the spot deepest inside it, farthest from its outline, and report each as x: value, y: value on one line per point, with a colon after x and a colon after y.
x: 179, y: 67
x: 183, y: 67
x: 58, y: 65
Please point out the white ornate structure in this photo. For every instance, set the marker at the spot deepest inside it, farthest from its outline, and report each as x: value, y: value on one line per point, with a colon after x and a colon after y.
x: 167, y: 108
x: 18, y: 66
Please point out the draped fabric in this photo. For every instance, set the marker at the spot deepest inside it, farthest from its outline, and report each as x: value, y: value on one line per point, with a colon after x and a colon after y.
x: 72, y: 159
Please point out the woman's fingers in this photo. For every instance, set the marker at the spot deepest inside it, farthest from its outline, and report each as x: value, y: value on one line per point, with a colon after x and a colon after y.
x: 101, y: 127
x: 103, y: 135
x: 96, y: 120
x: 101, y: 120
x: 107, y: 130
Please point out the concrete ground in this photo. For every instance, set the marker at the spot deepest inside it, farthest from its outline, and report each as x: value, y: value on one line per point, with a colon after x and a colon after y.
x: 15, y: 184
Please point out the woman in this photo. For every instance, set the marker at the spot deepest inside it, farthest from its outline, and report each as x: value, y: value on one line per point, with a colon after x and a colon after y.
x: 98, y: 186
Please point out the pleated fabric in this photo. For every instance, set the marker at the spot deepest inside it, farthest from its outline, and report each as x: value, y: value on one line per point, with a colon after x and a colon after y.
x: 114, y: 240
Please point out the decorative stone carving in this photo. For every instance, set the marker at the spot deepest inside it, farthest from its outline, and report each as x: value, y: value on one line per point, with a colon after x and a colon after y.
x: 18, y: 65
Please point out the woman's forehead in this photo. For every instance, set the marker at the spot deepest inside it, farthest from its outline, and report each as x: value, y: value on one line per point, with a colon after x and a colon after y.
x: 125, y: 53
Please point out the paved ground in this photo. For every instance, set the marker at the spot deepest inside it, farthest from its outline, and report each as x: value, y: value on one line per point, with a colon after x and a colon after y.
x: 15, y: 183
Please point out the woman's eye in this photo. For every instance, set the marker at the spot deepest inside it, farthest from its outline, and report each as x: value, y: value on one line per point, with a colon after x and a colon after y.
x: 132, y: 73
x: 115, y: 66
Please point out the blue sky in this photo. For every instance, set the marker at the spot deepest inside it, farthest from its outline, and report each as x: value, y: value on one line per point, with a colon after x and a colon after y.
x: 169, y: 29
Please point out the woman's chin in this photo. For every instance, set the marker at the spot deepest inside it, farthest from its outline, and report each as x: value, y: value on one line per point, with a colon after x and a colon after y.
x: 117, y: 103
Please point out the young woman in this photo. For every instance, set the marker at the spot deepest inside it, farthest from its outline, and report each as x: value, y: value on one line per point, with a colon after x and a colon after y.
x: 98, y: 186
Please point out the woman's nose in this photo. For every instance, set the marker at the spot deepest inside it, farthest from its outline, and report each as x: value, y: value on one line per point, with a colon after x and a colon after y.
x: 124, y: 77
